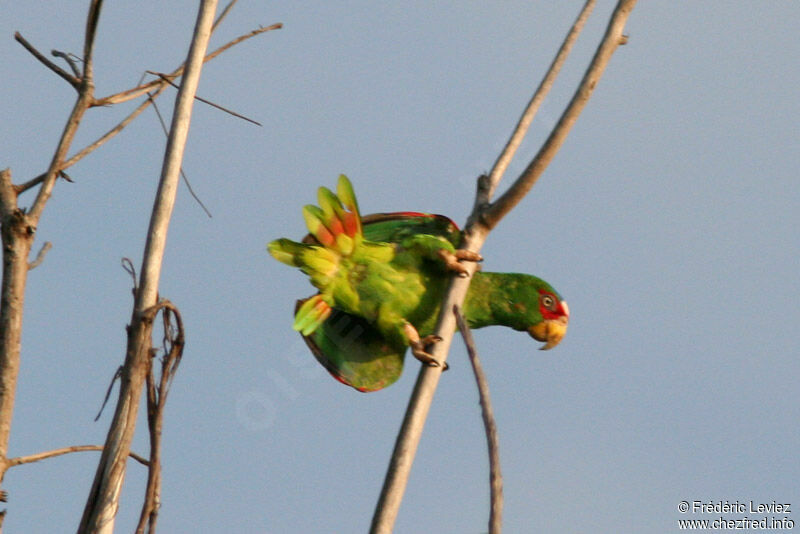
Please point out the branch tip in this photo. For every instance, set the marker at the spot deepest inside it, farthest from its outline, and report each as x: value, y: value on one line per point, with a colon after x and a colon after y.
x: 40, y: 256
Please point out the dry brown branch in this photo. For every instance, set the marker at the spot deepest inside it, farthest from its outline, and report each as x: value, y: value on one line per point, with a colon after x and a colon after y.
x: 489, y: 424
x: 40, y: 256
x: 17, y: 239
x: 20, y: 460
x: 234, y: 42
x: 183, y: 174
x: 222, y: 15
x: 158, y: 85
x: 503, y: 160
x: 70, y: 59
x: 85, y: 98
x: 18, y: 228
x: 74, y: 81
x: 612, y: 39
x: 483, y: 218
x: 141, y: 89
x: 117, y: 375
x: 173, y: 343
x: 204, y: 101
x: 103, y: 499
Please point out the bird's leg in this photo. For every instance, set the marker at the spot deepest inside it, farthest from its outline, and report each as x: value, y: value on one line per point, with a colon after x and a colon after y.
x: 436, y: 247
x: 450, y: 259
x: 418, y: 345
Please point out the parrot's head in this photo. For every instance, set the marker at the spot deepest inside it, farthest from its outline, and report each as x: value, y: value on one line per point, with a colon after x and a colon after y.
x: 555, y: 318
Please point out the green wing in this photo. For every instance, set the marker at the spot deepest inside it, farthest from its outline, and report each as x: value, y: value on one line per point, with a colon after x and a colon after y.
x: 352, y: 350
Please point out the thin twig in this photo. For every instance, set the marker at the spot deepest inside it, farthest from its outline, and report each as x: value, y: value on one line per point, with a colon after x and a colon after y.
x: 19, y: 460
x: 612, y: 39
x: 103, y: 500
x: 539, y: 95
x: 85, y: 98
x: 92, y: 20
x: 70, y: 61
x: 159, y: 86
x: 40, y: 256
x: 204, y: 101
x: 74, y: 81
x: 253, y: 33
x: 173, y: 342
x: 127, y: 264
x: 475, y: 233
x: 222, y: 15
x: 114, y: 378
x: 135, y: 92
x: 183, y: 174
x: 493, y: 443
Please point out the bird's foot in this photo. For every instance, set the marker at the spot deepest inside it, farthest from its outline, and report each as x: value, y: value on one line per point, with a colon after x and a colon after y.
x: 419, y: 346
x: 451, y: 260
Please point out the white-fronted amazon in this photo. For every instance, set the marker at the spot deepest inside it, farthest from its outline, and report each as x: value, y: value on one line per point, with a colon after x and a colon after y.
x: 381, y: 279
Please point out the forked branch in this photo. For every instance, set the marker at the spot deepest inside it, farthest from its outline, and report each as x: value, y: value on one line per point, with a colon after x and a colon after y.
x: 157, y: 389
x: 484, y: 217
x: 157, y: 86
x: 103, y: 500
x: 612, y: 39
x: 73, y: 80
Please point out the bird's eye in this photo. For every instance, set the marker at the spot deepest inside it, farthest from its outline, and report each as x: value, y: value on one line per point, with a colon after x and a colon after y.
x: 549, y: 302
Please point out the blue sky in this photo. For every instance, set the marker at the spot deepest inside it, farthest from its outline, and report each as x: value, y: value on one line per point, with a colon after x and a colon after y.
x: 668, y: 221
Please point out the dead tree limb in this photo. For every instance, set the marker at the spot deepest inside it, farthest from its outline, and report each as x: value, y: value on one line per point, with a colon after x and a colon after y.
x: 39, y: 456
x: 157, y: 86
x: 102, y: 503
x: 18, y: 224
x: 18, y: 230
x: 172, y: 344
x: 484, y: 217
x: 489, y: 424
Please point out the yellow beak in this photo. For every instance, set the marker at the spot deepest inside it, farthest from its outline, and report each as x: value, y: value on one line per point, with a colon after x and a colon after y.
x: 550, y: 331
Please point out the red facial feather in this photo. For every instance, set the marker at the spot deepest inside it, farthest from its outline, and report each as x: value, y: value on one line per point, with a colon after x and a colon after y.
x: 548, y: 314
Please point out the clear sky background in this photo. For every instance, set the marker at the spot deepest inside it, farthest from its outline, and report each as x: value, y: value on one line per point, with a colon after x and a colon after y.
x: 668, y: 221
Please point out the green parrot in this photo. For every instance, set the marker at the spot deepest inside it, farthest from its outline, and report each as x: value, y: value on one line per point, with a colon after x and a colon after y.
x: 381, y: 279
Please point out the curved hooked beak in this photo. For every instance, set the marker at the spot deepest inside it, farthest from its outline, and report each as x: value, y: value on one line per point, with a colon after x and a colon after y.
x: 550, y: 331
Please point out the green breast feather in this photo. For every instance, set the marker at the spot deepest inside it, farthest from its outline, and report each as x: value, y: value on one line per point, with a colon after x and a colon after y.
x: 381, y: 279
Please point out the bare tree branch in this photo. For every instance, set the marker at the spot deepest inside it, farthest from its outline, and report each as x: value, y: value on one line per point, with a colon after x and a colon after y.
x: 539, y: 95
x: 18, y: 228
x: 489, y: 424
x: 159, y: 85
x: 475, y: 233
x: 117, y: 375
x: 222, y: 15
x: 85, y: 98
x: 74, y: 81
x: 88, y: 42
x: 70, y: 59
x: 102, y: 503
x: 141, y: 89
x: 92, y: 147
x: 17, y: 239
x: 173, y: 343
x: 611, y: 40
x: 20, y: 460
x: 183, y: 174
x: 40, y: 256
x: 241, y: 38
x: 204, y: 101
